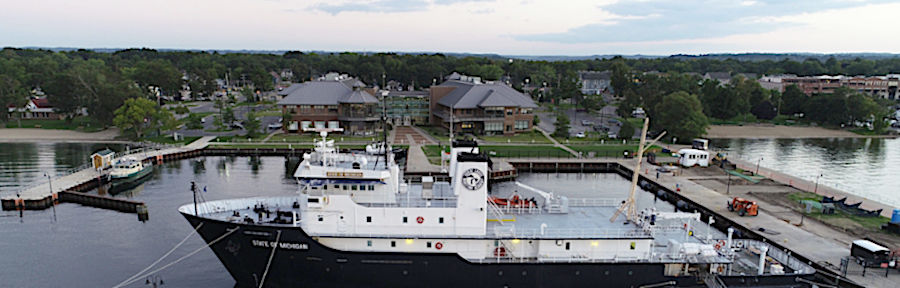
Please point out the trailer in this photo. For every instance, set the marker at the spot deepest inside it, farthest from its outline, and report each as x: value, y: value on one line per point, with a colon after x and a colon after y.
x: 870, y: 253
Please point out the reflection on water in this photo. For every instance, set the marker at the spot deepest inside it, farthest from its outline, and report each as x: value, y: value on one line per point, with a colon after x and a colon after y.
x: 861, y: 166
x: 23, y: 164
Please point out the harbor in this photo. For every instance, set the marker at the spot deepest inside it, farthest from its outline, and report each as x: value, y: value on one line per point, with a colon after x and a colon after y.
x: 680, y: 191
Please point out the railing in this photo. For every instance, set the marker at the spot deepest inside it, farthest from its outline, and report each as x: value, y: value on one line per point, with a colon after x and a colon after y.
x: 594, y: 202
x: 568, y: 233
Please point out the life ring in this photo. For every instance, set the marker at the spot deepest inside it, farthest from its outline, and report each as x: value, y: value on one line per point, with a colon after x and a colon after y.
x: 721, y: 243
x: 718, y: 246
x: 420, y: 219
x: 500, y: 252
x: 438, y: 245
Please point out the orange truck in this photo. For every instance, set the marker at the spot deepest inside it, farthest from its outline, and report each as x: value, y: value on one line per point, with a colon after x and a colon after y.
x: 743, y: 206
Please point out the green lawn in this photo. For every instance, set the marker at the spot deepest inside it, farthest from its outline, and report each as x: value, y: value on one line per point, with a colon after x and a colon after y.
x: 432, y: 150
x: 524, y: 151
x: 839, y: 216
x: 438, y: 133
x: 276, y: 146
x: 309, y: 137
x: 84, y: 124
x: 167, y: 139
x: 610, y: 150
x: 527, y: 137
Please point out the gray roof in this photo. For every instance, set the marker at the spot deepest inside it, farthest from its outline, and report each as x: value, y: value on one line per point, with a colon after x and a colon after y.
x: 359, y: 97
x: 469, y: 95
x: 594, y: 75
x: 717, y: 75
x: 286, y: 91
x: 325, y: 93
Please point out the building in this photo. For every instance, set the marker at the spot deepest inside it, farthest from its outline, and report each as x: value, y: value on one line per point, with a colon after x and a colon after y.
x: 877, y: 86
x: 480, y: 108
x: 723, y: 77
x: 407, y: 107
x: 343, y: 104
x: 37, y: 108
x: 594, y: 82
x: 774, y: 82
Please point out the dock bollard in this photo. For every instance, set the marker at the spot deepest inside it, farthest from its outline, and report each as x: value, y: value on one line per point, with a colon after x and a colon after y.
x: 142, y: 212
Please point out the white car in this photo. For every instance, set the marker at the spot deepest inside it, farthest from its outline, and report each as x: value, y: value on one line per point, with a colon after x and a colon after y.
x: 579, y: 135
x: 275, y: 125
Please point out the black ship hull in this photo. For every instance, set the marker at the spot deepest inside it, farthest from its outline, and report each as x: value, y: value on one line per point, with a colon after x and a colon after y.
x: 300, y: 261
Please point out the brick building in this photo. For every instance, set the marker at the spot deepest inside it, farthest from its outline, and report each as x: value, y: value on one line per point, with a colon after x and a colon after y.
x: 480, y: 108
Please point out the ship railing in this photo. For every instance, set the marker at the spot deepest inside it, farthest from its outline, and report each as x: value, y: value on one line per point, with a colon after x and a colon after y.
x: 594, y: 202
x: 569, y: 233
x: 435, y: 202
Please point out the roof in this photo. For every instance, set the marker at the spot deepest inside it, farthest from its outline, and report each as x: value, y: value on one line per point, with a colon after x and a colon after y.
x: 326, y: 93
x: 104, y: 152
x: 595, y: 75
x: 289, y: 89
x: 869, y: 245
x: 358, y: 96
x: 718, y: 75
x: 41, y: 103
x: 467, y: 95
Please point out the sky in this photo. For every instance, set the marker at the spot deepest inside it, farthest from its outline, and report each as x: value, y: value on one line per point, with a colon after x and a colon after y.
x: 507, y: 27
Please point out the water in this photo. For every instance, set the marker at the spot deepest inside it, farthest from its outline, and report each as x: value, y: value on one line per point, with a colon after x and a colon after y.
x: 23, y: 164
x: 90, y: 247
x: 859, y: 166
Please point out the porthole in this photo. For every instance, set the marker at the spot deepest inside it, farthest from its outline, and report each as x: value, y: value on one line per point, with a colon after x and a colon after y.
x: 577, y: 273
x: 524, y: 272
x: 630, y: 272
x: 405, y: 272
x: 327, y: 269
x: 500, y: 273
x: 606, y: 272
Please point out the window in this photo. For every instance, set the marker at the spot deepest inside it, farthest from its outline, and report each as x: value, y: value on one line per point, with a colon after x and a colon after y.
x: 521, y: 124
x: 393, y: 243
x: 567, y: 245
x: 369, y: 243
x: 371, y: 187
x: 353, y: 187
x: 509, y: 112
x: 428, y: 244
x: 345, y: 187
x: 321, y: 218
x: 368, y: 219
x: 404, y: 219
x: 632, y: 245
x: 493, y: 126
x: 441, y: 220
x: 337, y: 186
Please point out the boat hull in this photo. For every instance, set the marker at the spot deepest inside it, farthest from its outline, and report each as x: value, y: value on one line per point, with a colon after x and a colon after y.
x: 118, y: 185
x: 301, y: 261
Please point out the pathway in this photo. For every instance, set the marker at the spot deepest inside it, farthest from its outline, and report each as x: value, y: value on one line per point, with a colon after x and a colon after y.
x: 417, y: 161
x: 556, y: 143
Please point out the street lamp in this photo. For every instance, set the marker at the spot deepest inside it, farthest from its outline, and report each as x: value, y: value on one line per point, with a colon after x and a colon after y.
x: 757, y: 165
x: 50, y: 183
x: 816, y: 189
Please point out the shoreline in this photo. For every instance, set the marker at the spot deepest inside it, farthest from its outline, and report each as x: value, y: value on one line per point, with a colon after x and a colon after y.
x: 19, y: 135
x: 780, y: 132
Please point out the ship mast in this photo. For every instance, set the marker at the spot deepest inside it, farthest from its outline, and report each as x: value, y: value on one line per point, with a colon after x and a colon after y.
x: 628, y: 206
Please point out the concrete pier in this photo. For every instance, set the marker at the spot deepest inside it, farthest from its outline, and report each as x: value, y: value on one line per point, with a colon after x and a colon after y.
x: 41, y: 196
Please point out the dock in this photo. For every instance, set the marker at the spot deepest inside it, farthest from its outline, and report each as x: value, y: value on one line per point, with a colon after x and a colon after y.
x: 44, y: 195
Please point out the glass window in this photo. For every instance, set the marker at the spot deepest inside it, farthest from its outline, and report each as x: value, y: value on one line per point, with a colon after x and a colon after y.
x: 353, y: 187
x: 368, y: 219
x: 404, y: 219
x: 441, y: 220
x: 371, y: 187
x: 369, y: 243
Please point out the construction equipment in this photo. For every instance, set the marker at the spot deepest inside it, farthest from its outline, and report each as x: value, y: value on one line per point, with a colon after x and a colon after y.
x: 743, y: 206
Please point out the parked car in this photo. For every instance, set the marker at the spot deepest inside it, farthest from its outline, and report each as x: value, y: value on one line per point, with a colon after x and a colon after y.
x: 586, y: 123
x: 615, y: 122
x: 579, y: 135
x: 612, y: 135
x: 275, y: 125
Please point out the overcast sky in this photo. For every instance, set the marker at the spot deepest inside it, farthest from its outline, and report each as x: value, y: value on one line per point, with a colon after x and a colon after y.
x: 511, y: 27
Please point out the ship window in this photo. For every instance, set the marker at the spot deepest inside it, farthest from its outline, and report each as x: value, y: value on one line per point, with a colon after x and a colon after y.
x: 321, y: 219
x: 441, y: 220
x: 337, y: 186
x: 369, y: 243
x: 353, y: 187
x: 404, y: 219
x: 362, y: 187
x: 567, y: 245
x: 428, y: 244
x: 369, y: 219
x: 371, y: 187
x: 393, y: 243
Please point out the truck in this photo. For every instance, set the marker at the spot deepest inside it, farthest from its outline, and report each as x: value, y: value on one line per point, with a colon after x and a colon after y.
x: 870, y: 253
x: 743, y: 207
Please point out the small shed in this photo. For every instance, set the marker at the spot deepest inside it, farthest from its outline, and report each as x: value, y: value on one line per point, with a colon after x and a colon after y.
x: 102, y: 159
x: 693, y: 157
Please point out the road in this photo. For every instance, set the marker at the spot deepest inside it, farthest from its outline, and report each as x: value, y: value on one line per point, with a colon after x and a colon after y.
x: 240, y: 113
x: 599, y: 121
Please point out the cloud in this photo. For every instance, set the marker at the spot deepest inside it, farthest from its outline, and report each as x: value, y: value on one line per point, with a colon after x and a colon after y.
x: 661, y: 20
x: 384, y: 6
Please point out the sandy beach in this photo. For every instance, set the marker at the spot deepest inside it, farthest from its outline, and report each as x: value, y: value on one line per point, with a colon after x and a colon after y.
x: 34, y: 134
x: 771, y: 131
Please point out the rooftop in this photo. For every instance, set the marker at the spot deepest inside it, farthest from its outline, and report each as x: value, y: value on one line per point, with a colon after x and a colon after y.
x: 326, y: 92
x: 469, y: 95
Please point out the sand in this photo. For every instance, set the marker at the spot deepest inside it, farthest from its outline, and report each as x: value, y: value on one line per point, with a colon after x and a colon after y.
x: 35, y: 134
x: 772, y: 131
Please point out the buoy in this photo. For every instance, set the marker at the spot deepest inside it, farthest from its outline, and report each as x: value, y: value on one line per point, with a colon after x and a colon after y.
x: 420, y: 219
x: 438, y: 245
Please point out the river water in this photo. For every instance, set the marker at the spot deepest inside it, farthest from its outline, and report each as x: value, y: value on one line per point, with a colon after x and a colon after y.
x: 90, y: 247
x: 860, y: 166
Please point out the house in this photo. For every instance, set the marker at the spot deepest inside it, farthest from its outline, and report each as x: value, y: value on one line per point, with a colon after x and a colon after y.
x: 594, y: 82
x: 342, y: 104
x: 102, y: 159
x: 406, y: 107
x: 723, y: 77
x: 470, y: 106
x: 36, y: 108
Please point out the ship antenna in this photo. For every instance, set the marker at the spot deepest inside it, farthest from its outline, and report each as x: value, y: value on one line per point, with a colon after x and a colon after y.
x: 384, y: 126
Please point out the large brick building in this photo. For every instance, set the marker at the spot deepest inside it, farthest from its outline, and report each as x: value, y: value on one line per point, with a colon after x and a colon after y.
x: 336, y: 104
x: 480, y: 108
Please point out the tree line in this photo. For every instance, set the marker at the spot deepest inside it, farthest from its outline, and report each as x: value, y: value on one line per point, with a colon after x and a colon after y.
x: 102, y: 82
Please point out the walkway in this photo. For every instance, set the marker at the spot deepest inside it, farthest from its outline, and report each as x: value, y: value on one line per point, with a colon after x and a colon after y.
x: 42, y: 191
x: 556, y: 143
x: 417, y: 162
x: 412, y: 135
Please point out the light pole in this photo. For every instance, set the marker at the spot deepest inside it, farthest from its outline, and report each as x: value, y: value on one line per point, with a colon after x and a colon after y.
x: 757, y: 165
x: 728, y: 189
x: 816, y: 189
x: 50, y: 183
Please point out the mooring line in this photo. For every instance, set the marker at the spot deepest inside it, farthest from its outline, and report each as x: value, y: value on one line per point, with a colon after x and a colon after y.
x: 272, y: 255
x: 163, y: 257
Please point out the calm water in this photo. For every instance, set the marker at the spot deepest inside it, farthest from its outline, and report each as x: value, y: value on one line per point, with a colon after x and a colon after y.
x: 864, y: 167
x: 89, y: 247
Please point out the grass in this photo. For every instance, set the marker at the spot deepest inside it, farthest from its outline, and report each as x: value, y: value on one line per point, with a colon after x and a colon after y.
x: 438, y: 133
x: 800, y: 196
x: 610, y: 150
x: 166, y: 139
x: 269, y: 113
x: 309, y: 137
x: 840, y: 218
x: 274, y: 146
x: 432, y: 150
x: 527, y: 137
x: 524, y: 151
x: 83, y: 124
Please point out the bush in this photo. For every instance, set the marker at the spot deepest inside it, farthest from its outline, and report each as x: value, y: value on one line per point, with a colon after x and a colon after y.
x: 181, y: 110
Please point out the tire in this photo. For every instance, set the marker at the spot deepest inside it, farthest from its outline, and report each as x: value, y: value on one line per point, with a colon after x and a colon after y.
x: 742, y: 212
x: 730, y: 208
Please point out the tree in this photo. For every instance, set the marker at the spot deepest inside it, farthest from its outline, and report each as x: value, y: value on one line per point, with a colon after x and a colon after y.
x: 793, y: 100
x: 681, y: 115
x: 252, y: 124
x: 627, y: 130
x: 764, y: 110
x: 620, y: 78
x: 562, y: 125
x: 159, y: 73
x: 136, y: 114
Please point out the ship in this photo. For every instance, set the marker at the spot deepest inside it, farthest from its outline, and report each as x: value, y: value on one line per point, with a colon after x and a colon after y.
x: 355, y: 222
x: 128, y: 173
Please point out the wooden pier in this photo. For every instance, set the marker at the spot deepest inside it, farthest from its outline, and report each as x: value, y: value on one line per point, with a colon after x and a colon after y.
x: 67, y: 188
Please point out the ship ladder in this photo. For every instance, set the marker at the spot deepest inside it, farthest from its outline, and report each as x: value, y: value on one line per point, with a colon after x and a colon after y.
x: 140, y: 276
